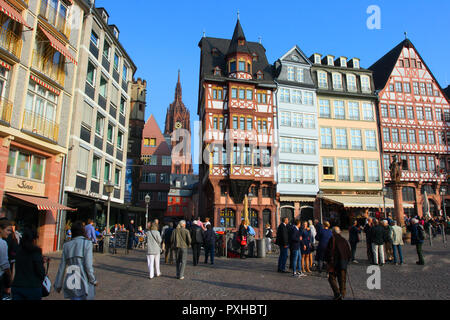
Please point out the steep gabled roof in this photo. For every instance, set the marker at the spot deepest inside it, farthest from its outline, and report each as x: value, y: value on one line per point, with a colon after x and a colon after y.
x: 383, y: 68
x: 234, y: 46
x: 447, y: 93
x: 151, y: 130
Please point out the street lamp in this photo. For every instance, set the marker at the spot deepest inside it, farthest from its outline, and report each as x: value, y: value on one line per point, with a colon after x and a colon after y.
x: 147, y: 201
x: 109, y: 188
x: 320, y: 197
x: 443, y: 193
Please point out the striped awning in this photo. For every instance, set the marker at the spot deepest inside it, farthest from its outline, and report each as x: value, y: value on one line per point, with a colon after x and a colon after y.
x: 45, y: 85
x: 42, y: 204
x: 297, y: 198
x: 58, y: 45
x: 5, y: 65
x: 11, y: 12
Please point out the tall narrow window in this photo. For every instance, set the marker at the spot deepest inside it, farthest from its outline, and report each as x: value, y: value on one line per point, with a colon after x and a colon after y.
x: 324, y: 108
x: 343, y: 170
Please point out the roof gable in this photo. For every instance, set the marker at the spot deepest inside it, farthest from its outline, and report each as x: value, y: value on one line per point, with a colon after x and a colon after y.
x: 296, y: 52
x: 151, y: 130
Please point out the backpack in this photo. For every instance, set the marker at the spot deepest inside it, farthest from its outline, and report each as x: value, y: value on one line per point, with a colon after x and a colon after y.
x: 420, y: 232
x: 198, y: 235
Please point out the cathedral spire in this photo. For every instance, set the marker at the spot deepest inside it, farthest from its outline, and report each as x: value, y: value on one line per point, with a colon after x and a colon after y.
x: 178, y: 94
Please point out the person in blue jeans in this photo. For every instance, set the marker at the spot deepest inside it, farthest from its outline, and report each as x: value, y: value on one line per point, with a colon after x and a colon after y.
x: 294, y: 245
x: 209, y: 238
x: 397, y: 242
x: 283, y: 242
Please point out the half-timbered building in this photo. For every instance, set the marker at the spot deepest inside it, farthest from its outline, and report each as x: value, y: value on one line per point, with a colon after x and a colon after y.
x: 414, y: 120
x: 238, y: 116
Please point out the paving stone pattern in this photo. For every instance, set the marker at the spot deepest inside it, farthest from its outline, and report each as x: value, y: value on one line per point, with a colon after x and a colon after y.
x: 126, y: 277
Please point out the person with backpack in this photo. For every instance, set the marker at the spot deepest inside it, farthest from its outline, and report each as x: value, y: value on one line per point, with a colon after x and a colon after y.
x: 417, y: 239
x: 197, y: 241
x: 168, y: 250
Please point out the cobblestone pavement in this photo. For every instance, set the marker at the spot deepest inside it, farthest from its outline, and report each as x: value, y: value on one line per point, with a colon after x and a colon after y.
x: 126, y: 277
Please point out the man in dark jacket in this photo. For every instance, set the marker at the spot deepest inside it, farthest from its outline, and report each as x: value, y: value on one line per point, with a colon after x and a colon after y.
x: 417, y: 239
x: 378, y: 240
x: 168, y: 248
x: 131, y: 235
x: 337, y: 256
x: 197, y: 240
x: 353, y: 238
x: 294, y: 246
x: 323, y: 237
x: 283, y: 242
x: 209, y: 238
x: 368, y: 231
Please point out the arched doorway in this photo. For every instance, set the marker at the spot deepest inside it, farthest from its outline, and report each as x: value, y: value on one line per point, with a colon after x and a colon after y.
x: 433, y: 208
x: 267, y: 218
x: 306, y: 213
x: 287, y: 212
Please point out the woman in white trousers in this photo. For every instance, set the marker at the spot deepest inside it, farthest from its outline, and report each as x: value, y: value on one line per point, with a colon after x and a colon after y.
x: 153, y: 250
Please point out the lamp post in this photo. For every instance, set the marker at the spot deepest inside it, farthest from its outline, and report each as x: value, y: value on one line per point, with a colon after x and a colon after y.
x: 147, y: 201
x: 109, y: 188
x: 320, y: 197
x: 385, y: 191
x: 443, y: 193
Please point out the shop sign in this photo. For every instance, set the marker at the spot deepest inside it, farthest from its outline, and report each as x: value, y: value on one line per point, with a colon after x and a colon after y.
x: 24, y: 186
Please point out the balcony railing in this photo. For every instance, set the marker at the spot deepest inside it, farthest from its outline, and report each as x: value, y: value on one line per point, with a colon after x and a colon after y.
x: 40, y: 125
x: 5, y: 110
x: 49, y: 68
x: 55, y: 18
x: 10, y: 42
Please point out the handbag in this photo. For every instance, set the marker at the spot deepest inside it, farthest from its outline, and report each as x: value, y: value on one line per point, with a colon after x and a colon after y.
x: 244, y: 241
x: 46, y: 284
x: 160, y: 249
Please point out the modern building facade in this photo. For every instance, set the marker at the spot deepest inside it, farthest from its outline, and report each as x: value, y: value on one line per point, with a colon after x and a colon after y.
x: 350, y: 178
x: 134, y: 164
x: 180, y: 204
x: 238, y: 116
x: 39, y: 45
x: 414, y: 118
x: 297, y: 178
x: 156, y: 168
x: 100, y: 122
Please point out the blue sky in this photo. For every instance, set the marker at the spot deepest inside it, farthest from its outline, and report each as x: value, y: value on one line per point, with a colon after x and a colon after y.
x: 162, y: 36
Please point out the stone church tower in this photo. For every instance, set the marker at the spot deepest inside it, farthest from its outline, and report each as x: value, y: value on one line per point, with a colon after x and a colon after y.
x: 176, y: 130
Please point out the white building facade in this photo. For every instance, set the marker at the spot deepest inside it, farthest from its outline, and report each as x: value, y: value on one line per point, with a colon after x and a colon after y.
x: 298, y: 152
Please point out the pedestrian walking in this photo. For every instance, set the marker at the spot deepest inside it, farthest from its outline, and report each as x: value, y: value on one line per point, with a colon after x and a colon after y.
x: 181, y: 240
x: 388, y: 241
x: 209, y: 238
x: 353, y: 238
x: 268, y: 238
x: 153, y: 251
x: 305, y: 248
x: 368, y: 232
x: 132, y: 240
x: 323, y: 237
x: 313, y: 234
x: 282, y: 241
x: 417, y: 239
x: 5, y: 268
x: 338, y: 255
x: 77, y: 260
x: 168, y: 250
x: 30, y: 271
x: 378, y: 240
x: 197, y: 241
x: 397, y: 242
x: 90, y: 231
x: 294, y: 245
x: 242, y: 237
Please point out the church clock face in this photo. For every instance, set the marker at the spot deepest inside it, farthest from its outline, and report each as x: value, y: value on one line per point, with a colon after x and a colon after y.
x: 178, y: 125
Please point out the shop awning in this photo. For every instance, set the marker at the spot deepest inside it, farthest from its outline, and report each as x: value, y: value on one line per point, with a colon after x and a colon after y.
x: 41, y: 203
x: 58, y: 45
x: 297, y: 198
x: 11, y: 12
x: 360, y: 201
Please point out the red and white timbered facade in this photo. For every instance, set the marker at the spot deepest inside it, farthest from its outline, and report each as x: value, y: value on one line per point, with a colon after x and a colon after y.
x: 238, y: 115
x: 414, y: 120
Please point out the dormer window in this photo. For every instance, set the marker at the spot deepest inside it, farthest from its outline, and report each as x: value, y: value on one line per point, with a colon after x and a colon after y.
x: 259, y: 75
x: 343, y: 62
x: 217, y: 71
x: 330, y: 61
x: 356, y: 63
x: 254, y: 57
x: 241, y: 65
x: 317, y: 59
